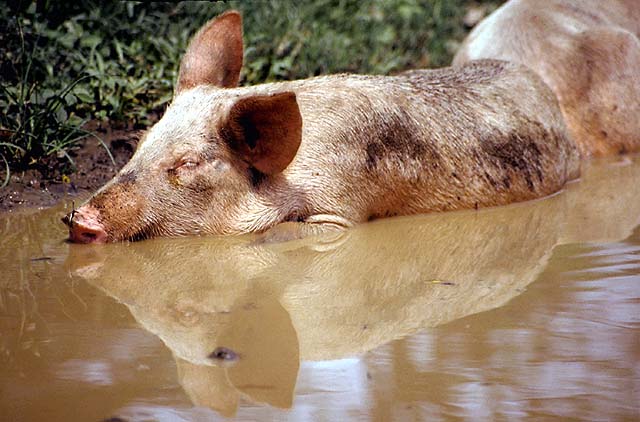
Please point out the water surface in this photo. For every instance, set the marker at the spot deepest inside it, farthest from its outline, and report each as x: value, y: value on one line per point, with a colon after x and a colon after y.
x: 530, y: 311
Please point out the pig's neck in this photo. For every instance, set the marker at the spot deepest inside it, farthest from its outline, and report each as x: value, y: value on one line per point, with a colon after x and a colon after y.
x: 273, y: 203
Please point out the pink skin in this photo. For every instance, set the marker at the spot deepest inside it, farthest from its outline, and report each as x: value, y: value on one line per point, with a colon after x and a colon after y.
x: 84, y: 226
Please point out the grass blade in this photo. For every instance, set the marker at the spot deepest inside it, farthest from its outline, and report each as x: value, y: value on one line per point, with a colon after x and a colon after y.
x: 7, y: 171
x: 104, y: 145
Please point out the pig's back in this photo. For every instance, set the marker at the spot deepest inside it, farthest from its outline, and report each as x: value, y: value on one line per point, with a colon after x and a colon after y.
x: 487, y: 134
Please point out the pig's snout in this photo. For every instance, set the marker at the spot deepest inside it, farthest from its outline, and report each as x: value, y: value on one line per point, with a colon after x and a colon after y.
x: 84, y: 226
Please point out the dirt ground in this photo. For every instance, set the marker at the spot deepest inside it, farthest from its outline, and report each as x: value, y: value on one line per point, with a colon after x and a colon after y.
x: 32, y: 189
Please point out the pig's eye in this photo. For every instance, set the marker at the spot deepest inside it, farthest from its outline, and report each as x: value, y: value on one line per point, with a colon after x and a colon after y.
x: 187, y: 165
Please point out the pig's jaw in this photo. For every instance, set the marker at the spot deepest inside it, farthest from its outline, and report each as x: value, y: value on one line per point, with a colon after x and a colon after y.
x: 259, y: 211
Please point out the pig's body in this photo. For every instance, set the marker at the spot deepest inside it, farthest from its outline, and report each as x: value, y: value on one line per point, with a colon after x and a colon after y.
x: 419, y: 142
x: 587, y: 51
x: 334, y: 151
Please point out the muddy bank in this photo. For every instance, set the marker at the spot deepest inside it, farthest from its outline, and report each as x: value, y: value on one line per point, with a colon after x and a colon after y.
x: 45, y: 186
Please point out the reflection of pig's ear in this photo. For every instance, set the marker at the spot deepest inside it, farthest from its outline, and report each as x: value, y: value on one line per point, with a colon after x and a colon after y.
x: 263, y: 336
x: 214, y: 55
x: 208, y: 386
x: 265, y: 130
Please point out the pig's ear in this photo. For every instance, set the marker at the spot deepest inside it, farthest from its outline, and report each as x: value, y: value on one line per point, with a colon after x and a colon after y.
x: 214, y: 56
x: 265, y: 130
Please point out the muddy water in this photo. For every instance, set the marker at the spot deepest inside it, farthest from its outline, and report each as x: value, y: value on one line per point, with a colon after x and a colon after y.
x: 527, y: 311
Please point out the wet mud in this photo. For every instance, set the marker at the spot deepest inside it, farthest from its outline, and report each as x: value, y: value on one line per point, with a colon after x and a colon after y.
x: 55, y: 180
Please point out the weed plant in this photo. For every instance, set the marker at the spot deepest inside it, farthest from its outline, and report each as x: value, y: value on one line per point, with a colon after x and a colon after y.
x: 65, y: 63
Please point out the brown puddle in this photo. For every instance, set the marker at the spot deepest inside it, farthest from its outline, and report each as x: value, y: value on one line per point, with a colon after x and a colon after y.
x: 531, y: 310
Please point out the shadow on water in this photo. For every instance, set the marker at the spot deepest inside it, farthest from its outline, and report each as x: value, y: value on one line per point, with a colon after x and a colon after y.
x: 342, y: 326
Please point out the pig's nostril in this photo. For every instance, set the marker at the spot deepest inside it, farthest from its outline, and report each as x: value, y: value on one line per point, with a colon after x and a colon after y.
x: 82, y: 233
x: 88, y: 235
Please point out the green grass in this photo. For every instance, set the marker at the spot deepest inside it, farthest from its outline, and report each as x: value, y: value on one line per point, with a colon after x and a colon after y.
x: 65, y: 63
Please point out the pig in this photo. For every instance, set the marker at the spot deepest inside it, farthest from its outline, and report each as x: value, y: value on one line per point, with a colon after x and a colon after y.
x: 292, y: 159
x: 587, y: 51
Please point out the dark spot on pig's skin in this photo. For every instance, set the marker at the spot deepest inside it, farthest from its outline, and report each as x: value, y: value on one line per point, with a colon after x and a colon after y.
x: 517, y: 153
x: 399, y: 141
x: 223, y: 354
x: 491, y: 180
x: 374, y: 152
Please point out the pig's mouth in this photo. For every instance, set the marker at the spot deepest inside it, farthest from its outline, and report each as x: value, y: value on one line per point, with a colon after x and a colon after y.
x: 90, y: 232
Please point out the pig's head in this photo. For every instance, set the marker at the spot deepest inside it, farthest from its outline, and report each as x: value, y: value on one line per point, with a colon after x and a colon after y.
x: 198, y: 169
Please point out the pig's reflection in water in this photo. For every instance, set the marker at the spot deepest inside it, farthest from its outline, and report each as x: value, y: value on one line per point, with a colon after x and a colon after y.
x: 239, y: 316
